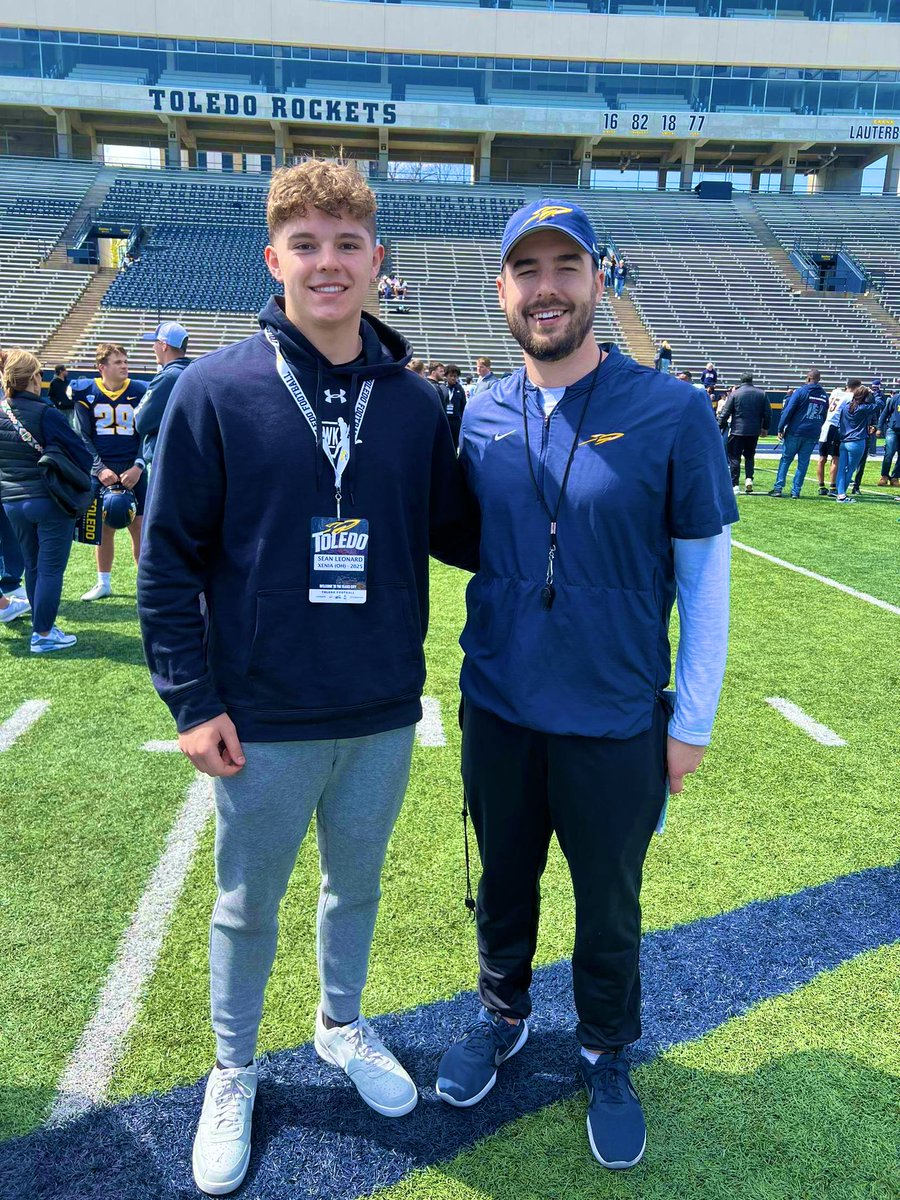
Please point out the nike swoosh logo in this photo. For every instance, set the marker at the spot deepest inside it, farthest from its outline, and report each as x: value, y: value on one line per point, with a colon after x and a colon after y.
x: 498, y: 437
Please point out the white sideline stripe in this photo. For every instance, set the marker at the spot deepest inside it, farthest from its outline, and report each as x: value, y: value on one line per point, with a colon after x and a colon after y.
x: 796, y: 715
x: 161, y: 747
x: 89, y: 1071
x: 21, y: 721
x: 841, y: 587
x: 430, y: 730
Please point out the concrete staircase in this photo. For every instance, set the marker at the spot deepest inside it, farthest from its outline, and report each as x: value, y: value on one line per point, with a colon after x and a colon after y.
x: 60, y: 346
x: 93, y: 198
x: 882, y: 318
x: 774, y: 248
x: 638, y: 341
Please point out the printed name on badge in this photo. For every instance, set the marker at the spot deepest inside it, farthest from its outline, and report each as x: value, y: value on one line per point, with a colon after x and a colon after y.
x: 338, y: 560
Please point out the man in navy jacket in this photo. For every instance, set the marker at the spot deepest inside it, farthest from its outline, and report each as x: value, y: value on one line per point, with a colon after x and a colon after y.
x: 301, y: 478
x: 170, y: 342
x: 798, y: 431
x: 602, y: 485
x: 889, y: 428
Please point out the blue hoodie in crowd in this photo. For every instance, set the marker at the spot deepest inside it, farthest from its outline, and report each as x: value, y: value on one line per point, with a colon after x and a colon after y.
x: 890, y: 414
x: 804, y: 412
x: 854, y: 426
x: 238, y: 477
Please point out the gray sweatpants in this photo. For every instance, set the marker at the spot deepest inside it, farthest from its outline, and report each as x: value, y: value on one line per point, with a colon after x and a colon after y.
x: 355, y: 786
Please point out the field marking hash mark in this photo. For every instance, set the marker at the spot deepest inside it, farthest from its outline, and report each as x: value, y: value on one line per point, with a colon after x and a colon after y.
x: 793, y: 713
x: 21, y: 721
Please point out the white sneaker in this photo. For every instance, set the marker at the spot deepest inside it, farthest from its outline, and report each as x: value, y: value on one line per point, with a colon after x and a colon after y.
x: 222, y: 1143
x: 748, y: 486
x: 736, y: 489
x: 55, y: 640
x: 19, y: 593
x: 369, y: 1065
x: 16, y: 608
x: 98, y: 592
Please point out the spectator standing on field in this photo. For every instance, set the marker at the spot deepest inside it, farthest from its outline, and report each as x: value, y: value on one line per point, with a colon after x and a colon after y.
x: 872, y: 440
x: 417, y: 366
x: 170, y: 341
x: 889, y: 428
x: 856, y: 421
x: 455, y: 404
x: 798, y: 431
x: 60, y: 396
x: 829, y: 438
x: 486, y: 377
x: 751, y: 414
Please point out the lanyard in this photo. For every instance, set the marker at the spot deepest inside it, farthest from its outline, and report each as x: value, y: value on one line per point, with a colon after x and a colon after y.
x: 339, y: 457
x: 548, y: 591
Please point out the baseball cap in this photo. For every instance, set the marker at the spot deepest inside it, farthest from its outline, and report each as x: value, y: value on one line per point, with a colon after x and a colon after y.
x: 876, y: 383
x: 170, y: 332
x: 569, y: 219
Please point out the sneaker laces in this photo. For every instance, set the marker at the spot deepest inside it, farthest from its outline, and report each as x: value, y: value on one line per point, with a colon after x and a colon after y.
x: 228, y: 1094
x: 363, y: 1039
x: 609, y: 1078
x: 482, y: 1035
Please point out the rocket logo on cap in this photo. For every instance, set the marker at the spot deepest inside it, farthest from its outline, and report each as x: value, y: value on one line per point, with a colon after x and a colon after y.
x: 545, y: 213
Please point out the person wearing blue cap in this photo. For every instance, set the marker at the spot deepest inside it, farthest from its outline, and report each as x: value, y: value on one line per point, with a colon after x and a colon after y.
x: 170, y: 341
x: 603, y: 491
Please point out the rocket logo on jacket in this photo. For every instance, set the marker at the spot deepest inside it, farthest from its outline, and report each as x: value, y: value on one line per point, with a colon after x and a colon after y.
x: 600, y: 439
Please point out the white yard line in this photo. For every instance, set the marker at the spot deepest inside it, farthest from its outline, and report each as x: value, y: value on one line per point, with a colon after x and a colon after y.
x: 430, y: 730
x: 87, y: 1076
x: 841, y: 587
x: 796, y: 715
x: 21, y: 721
x: 161, y: 747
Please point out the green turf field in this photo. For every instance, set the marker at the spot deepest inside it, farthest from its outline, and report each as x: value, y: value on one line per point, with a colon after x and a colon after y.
x: 791, y: 1100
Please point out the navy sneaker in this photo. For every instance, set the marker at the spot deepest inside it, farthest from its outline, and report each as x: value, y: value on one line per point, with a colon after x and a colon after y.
x: 468, y: 1069
x: 615, y: 1119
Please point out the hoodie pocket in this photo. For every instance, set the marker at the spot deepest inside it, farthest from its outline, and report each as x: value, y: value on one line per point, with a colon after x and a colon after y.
x: 335, y: 656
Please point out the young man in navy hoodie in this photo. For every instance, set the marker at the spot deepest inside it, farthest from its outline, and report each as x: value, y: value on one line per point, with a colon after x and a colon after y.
x: 301, y: 478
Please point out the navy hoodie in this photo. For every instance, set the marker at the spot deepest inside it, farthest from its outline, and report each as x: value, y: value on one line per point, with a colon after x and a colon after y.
x: 804, y: 412
x: 237, y: 479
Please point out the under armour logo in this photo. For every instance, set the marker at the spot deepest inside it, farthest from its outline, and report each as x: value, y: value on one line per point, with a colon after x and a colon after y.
x: 340, y: 396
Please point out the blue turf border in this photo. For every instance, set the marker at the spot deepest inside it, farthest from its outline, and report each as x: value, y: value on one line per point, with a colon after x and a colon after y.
x: 314, y: 1138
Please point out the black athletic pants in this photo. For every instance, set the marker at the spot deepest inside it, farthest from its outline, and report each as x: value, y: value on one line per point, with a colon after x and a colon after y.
x: 602, y: 798
x: 738, y: 446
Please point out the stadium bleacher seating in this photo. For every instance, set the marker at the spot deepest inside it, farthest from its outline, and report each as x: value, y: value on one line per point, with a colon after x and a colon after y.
x: 208, y: 331
x: 704, y: 279
x: 707, y: 284
x: 38, y: 198
x: 869, y: 227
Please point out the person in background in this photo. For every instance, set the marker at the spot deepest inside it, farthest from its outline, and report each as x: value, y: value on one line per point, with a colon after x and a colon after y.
x: 60, y: 394
x: 417, y: 366
x: 798, y: 431
x: 872, y: 441
x: 889, y: 428
x: 170, y: 342
x: 105, y: 410
x: 710, y: 376
x: 620, y: 274
x: 455, y: 404
x: 486, y: 377
x: 44, y: 532
x: 857, y: 419
x: 12, y: 564
x: 829, y: 438
x: 663, y: 360
x: 750, y: 413
x: 606, y: 267
x: 687, y: 377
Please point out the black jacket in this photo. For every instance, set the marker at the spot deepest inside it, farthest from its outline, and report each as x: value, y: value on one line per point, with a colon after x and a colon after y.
x: 749, y: 410
x: 20, y: 475
x: 454, y: 407
x: 59, y: 394
x: 238, y: 478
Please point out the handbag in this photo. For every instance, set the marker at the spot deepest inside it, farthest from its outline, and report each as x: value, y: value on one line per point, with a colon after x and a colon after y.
x: 70, y: 488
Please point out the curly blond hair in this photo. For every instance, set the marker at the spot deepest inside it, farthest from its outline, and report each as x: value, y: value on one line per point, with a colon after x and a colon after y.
x: 18, y: 369
x: 334, y: 187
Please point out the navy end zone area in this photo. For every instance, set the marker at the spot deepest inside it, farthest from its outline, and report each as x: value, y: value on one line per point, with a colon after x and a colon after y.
x: 740, y: 166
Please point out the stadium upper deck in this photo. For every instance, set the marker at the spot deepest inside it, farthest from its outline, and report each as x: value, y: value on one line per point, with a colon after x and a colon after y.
x: 524, y: 92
